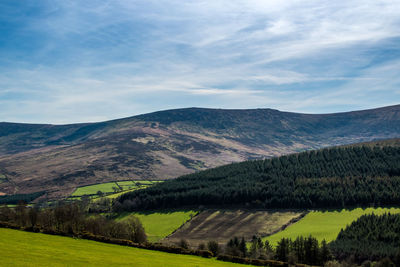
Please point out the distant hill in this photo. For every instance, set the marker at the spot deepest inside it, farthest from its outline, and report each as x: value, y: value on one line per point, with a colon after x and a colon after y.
x: 167, y: 144
x: 336, y: 177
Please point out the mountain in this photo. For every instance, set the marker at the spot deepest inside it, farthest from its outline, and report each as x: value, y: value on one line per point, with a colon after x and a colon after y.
x: 167, y: 144
x: 335, y: 177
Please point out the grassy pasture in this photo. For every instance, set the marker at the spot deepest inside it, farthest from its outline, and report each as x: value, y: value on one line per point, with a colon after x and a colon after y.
x: 115, y: 195
x: 126, y: 185
x: 325, y: 224
x: 158, y: 225
x: 146, y: 182
x: 107, y: 188
x: 93, y: 189
x: 32, y: 249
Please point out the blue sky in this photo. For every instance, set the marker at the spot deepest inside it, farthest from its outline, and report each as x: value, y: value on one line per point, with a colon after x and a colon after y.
x: 76, y: 61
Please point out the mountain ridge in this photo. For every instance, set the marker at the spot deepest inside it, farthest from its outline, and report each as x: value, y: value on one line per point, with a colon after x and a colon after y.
x: 166, y: 144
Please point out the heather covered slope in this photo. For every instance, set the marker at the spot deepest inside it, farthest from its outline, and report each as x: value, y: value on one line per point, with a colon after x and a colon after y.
x: 167, y: 144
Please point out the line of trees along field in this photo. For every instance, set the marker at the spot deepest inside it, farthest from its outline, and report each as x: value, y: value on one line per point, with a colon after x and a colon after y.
x: 332, y: 177
x: 301, y: 250
x: 70, y: 219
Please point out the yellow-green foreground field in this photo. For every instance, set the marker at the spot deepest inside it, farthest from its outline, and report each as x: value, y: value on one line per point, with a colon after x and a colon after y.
x: 20, y: 248
x: 161, y: 224
x: 325, y: 224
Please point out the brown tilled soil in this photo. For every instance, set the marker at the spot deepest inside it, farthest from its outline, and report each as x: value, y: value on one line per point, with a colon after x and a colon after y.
x: 223, y: 225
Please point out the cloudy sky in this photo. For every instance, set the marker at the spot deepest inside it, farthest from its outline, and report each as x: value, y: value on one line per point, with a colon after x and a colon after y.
x: 76, y: 61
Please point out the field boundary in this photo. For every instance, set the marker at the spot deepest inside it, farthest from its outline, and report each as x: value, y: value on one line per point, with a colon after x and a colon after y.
x: 183, y: 225
x: 286, y: 225
x: 151, y: 246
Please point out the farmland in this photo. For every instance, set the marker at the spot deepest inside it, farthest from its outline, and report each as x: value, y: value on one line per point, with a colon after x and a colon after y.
x: 221, y: 225
x: 158, y: 225
x: 32, y: 249
x: 325, y: 224
x: 108, y: 188
x: 93, y: 189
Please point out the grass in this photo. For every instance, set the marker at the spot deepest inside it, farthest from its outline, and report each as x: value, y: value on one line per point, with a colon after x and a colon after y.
x: 146, y: 182
x: 107, y: 188
x: 93, y: 189
x: 325, y: 224
x: 115, y: 195
x: 126, y: 185
x: 32, y: 249
x: 161, y: 224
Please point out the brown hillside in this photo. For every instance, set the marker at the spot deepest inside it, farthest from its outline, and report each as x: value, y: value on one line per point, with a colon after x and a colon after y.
x: 166, y: 144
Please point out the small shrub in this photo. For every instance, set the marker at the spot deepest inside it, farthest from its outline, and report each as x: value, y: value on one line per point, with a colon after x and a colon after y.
x: 204, y: 253
x: 183, y: 244
x: 213, y: 247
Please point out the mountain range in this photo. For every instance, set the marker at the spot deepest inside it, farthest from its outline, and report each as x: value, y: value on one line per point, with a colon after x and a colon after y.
x: 167, y: 144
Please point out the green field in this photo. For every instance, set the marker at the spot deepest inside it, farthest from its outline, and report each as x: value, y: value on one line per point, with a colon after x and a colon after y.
x: 20, y: 248
x: 325, y: 224
x: 161, y: 224
x: 145, y: 182
x: 93, y: 189
x: 107, y: 188
x: 115, y: 195
x: 126, y: 185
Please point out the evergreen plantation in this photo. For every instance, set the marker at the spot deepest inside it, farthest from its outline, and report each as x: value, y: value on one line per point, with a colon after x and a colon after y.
x: 371, y: 237
x: 328, y: 178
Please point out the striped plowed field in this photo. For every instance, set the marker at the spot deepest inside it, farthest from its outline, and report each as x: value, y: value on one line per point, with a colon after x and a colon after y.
x: 221, y: 225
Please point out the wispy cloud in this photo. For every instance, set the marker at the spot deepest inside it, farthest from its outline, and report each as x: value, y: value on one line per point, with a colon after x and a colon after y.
x: 73, y: 61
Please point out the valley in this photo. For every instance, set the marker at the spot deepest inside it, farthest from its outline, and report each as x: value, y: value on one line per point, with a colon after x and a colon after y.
x: 309, y: 197
x: 241, y: 212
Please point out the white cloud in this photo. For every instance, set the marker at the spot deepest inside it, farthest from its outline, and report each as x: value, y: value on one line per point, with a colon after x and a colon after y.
x: 103, y: 59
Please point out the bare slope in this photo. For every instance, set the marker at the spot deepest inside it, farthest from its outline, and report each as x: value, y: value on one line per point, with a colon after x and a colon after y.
x: 222, y: 225
x: 167, y: 144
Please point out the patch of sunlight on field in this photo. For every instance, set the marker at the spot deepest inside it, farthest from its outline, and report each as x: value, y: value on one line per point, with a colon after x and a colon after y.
x: 325, y: 224
x: 108, y: 188
x: 20, y: 248
x: 161, y: 224
x: 115, y: 195
x: 93, y: 189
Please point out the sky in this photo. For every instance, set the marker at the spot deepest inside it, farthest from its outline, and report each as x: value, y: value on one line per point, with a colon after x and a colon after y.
x: 68, y: 61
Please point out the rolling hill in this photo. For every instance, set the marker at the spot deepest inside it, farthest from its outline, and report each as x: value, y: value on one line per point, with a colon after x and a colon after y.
x: 336, y: 177
x: 167, y: 144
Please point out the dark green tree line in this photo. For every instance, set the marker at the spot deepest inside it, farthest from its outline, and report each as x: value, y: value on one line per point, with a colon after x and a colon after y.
x: 301, y: 250
x: 371, y: 237
x: 334, y: 177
